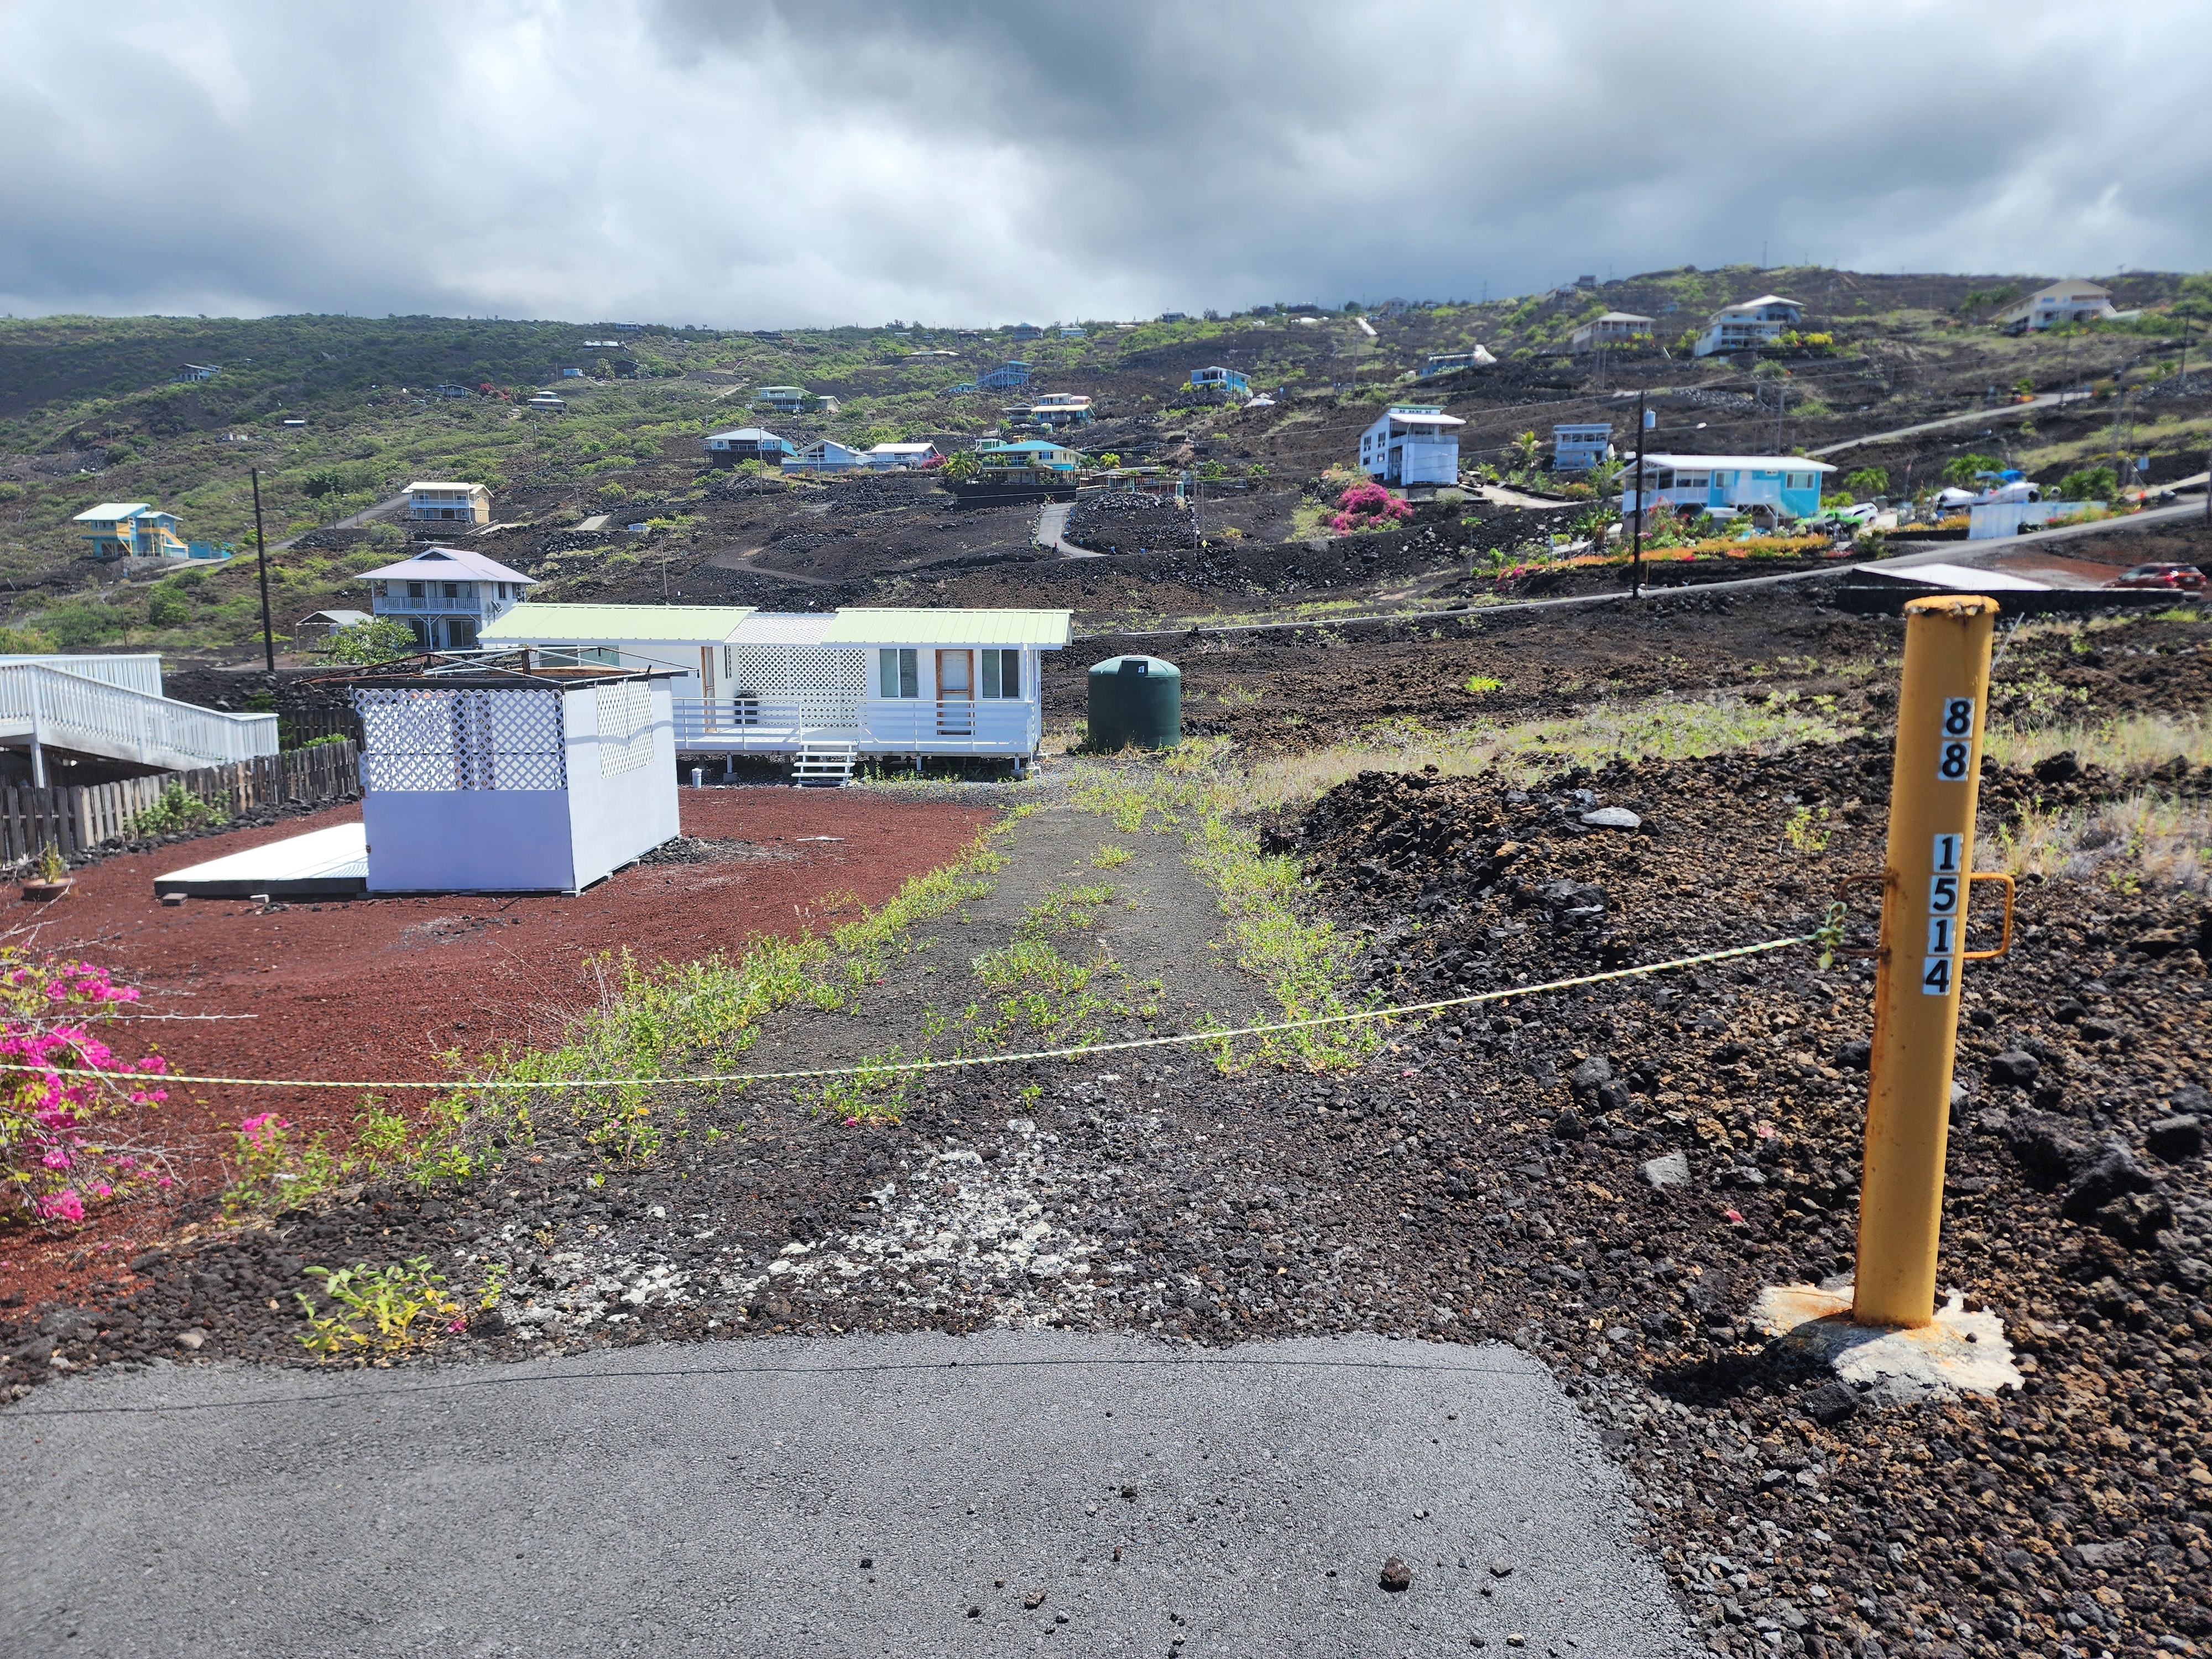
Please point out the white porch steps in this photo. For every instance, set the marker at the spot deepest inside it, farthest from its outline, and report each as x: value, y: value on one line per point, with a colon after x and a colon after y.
x: 823, y: 765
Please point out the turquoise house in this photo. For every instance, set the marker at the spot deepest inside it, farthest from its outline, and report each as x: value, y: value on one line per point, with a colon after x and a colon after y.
x: 1771, y: 486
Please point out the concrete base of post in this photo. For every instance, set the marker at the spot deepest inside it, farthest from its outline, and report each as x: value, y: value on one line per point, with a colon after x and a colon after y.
x: 1959, y: 1353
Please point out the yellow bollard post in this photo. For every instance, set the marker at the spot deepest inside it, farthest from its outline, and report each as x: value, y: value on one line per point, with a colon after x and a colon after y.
x: 1941, y: 707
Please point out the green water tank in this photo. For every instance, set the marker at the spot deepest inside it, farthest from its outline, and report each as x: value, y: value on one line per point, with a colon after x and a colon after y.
x: 1136, y: 700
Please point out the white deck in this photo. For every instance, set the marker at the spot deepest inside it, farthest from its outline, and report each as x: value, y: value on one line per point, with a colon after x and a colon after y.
x: 869, y: 726
x: 330, y: 863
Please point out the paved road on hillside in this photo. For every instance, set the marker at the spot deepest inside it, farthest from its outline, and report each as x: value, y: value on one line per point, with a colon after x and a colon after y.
x: 389, y: 504
x: 830, y: 1497
x: 2003, y: 412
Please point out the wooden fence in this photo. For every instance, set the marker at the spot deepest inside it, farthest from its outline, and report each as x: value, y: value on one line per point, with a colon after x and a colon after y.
x: 79, y: 818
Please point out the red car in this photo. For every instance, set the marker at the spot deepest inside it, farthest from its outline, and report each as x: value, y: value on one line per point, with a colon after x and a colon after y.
x: 2176, y: 577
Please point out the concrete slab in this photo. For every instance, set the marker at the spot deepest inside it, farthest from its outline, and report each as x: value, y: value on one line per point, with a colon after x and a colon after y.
x: 834, y: 1497
x: 330, y: 863
x: 1960, y: 1353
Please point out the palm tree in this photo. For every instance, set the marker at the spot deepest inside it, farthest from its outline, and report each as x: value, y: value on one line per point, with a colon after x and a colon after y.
x: 1526, y: 453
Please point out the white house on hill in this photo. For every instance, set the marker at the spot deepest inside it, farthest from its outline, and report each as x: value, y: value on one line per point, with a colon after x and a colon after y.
x: 445, y: 595
x: 440, y: 501
x: 1412, y: 444
x: 1614, y: 328
x: 2071, y: 302
x: 1748, y: 325
x: 888, y: 457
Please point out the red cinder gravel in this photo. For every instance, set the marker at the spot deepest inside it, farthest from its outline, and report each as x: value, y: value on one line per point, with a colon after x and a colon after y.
x: 383, y: 988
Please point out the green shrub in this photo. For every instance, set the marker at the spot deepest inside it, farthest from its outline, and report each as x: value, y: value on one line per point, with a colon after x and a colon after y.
x: 167, y: 607
x: 1868, y: 480
x: 27, y: 642
x: 2090, y: 484
x: 179, y: 809
x: 85, y: 622
x: 378, y: 640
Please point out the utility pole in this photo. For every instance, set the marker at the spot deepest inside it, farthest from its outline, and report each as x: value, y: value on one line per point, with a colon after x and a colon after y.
x: 1636, y: 558
x: 261, y: 558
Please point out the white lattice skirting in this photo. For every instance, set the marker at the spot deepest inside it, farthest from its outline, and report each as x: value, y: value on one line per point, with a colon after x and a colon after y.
x: 419, y: 739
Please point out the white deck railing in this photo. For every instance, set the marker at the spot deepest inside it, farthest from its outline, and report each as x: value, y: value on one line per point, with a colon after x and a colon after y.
x: 902, y: 726
x: 135, y: 672
x: 73, y: 711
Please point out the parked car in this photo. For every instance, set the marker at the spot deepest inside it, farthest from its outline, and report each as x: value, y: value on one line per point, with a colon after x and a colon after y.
x: 2176, y: 577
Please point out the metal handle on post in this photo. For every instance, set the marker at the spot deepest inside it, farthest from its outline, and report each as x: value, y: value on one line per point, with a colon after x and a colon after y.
x: 2004, y: 939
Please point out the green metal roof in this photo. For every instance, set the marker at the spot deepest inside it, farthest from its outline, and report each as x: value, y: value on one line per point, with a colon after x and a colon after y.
x: 536, y: 622
x: 1045, y: 628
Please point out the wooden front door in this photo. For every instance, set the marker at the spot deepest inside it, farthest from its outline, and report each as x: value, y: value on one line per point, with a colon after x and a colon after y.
x: 956, y: 693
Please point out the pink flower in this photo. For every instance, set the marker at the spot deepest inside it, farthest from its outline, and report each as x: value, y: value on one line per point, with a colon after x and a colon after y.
x: 63, y: 1206
x: 1734, y: 1216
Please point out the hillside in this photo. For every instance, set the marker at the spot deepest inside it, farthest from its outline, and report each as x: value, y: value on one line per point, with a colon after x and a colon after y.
x: 90, y: 412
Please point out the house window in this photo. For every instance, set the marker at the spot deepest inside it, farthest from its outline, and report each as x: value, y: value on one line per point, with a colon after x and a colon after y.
x: 414, y: 590
x: 453, y: 590
x: 1002, y: 673
x: 898, y: 672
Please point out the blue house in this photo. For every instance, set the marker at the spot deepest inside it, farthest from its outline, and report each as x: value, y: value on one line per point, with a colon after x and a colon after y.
x: 133, y: 530
x: 1215, y: 384
x: 1767, y: 486
x: 1014, y: 374
x: 747, y: 443
x: 1033, y: 460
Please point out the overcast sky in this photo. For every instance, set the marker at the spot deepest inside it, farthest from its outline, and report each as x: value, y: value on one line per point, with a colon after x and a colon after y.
x: 749, y: 163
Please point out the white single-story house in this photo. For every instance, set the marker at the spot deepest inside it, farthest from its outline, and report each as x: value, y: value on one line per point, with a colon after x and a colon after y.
x: 1455, y: 362
x: 1412, y: 444
x: 1614, y: 328
x: 841, y: 684
x: 747, y: 443
x: 824, y: 455
x: 1752, y: 324
x: 1776, y: 486
x: 887, y: 457
x: 2072, y: 302
x: 1578, y: 445
x: 445, y: 595
x: 463, y: 503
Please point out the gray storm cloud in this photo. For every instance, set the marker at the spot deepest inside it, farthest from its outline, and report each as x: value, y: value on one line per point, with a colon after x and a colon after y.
x: 775, y: 163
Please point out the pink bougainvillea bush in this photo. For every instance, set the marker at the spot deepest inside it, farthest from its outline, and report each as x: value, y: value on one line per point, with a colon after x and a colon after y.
x: 68, y: 1102
x: 1368, y: 507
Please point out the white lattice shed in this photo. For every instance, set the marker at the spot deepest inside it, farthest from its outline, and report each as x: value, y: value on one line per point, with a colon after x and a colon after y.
x: 513, y: 783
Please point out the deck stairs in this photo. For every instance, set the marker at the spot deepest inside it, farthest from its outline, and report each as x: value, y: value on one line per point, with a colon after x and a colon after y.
x: 824, y: 765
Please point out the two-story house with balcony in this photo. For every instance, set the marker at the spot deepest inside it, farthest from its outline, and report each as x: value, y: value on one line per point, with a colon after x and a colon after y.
x: 1412, y: 444
x: 445, y: 595
x: 1748, y: 325
x: 131, y: 530
x: 787, y: 399
x: 433, y: 502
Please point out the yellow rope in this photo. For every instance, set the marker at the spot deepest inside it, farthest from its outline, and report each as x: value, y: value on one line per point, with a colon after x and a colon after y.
x: 887, y: 1068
